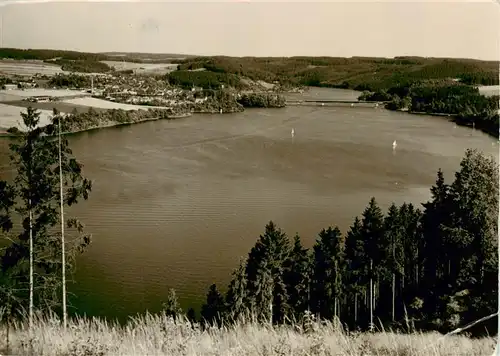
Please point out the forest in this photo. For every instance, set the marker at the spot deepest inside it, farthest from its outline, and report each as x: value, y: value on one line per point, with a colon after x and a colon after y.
x: 359, y: 73
x: 462, y: 101
x: 69, y: 81
x: 204, y: 79
x: 409, y: 268
x: 82, y: 66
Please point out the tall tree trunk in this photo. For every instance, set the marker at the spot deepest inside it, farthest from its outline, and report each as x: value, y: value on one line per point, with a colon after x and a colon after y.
x: 393, y: 295
x: 31, y: 268
x: 63, y: 247
x: 393, y: 278
x: 335, y: 307
x: 356, y: 308
x: 371, y: 296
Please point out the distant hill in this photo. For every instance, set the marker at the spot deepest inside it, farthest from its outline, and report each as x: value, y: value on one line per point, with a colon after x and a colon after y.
x: 49, y: 54
x: 147, y: 56
x: 360, y: 73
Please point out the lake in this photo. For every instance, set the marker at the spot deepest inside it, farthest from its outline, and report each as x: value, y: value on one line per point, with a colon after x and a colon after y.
x: 177, y: 203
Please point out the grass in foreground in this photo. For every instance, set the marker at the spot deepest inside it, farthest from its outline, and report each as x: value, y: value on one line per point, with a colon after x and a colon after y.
x: 159, y: 335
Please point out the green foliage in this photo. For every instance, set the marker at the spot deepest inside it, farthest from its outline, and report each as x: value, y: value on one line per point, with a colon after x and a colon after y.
x: 262, y: 100
x: 297, y: 278
x: 266, y: 290
x: 358, y: 73
x: 462, y: 101
x: 82, y: 66
x: 328, y: 270
x: 35, y: 189
x: 44, y: 54
x: 213, y: 310
x: 204, y: 79
x: 69, y: 81
x: 171, y: 306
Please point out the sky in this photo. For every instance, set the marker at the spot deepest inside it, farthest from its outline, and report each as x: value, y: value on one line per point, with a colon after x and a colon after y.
x: 459, y: 29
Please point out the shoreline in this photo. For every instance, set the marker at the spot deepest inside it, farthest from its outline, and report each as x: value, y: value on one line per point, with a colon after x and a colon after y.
x: 450, y: 118
x: 4, y: 133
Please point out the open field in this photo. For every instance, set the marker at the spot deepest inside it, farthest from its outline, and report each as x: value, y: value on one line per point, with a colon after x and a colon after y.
x: 59, y: 105
x: 489, y: 90
x: 158, y: 335
x: 28, y: 68
x: 11, y: 116
x: 104, y: 104
x: 40, y: 92
x: 142, y: 68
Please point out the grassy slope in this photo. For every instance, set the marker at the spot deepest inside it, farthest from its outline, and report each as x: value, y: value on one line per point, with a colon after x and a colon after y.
x: 156, y: 335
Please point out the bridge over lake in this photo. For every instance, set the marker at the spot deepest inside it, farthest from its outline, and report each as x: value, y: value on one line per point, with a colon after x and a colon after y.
x: 335, y: 102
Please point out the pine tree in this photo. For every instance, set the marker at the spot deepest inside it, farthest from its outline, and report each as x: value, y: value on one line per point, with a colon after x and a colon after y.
x: 372, y: 232
x: 236, y: 300
x: 474, y: 231
x: 33, y: 259
x: 412, y: 244
x: 171, y: 306
x: 393, y: 230
x: 436, y: 216
x: 265, y: 273
x: 191, y: 316
x: 297, y: 278
x: 328, y: 272
x: 213, y: 310
x: 356, y: 277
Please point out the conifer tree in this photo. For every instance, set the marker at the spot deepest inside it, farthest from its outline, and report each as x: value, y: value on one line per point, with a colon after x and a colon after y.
x: 393, y: 230
x: 297, y: 278
x: 356, y: 276
x: 265, y: 274
x: 328, y: 272
x: 372, y: 232
x: 171, y: 306
x: 474, y: 231
x: 213, y: 310
x: 236, y: 300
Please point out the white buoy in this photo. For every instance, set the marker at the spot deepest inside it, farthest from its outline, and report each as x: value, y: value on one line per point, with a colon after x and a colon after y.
x: 221, y: 111
x: 394, y: 144
x: 352, y: 105
x: 322, y: 104
x: 293, y: 132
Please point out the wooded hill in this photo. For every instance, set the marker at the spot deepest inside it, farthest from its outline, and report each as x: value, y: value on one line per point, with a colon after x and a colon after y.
x: 360, y: 73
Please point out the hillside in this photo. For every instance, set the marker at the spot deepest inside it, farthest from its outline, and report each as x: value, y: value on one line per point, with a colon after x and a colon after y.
x: 360, y: 73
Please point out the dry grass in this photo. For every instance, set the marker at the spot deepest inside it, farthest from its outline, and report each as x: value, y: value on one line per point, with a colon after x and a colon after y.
x: 158, y: 335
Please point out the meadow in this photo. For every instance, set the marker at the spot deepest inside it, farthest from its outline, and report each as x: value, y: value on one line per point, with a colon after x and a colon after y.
x: 162, y: 335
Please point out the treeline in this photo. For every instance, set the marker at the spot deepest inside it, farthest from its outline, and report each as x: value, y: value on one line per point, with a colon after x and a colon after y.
x: 82, y: 66
x: 359, y: 73
x: 46, y: 54
x: 430, y: 269
x: 262, y: 100
x: 77, y: 121
x: 464, y: 102
x: 204, y: 79
x: 69, y: 81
